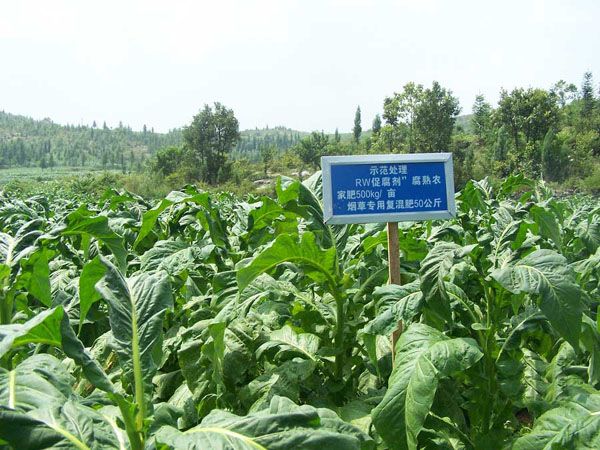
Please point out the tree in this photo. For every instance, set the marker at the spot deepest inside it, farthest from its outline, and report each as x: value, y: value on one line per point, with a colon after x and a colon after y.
x: 357, y: 130
x: 482, y: 114
x: 376, y: 124
x: 553, y: 161
x: 209, y: 139
x: 399, y: 111
x: 434, y: 119
x: 310, y: 149
x: 267, y: 153
x: 565, y: 92
x: 336, y: 136
x: 167, y: 160
x: 527, y: 114
x: 587, y: 96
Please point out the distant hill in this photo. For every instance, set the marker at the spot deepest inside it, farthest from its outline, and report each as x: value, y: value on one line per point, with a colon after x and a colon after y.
x: 251, y: 141
x: 26, y: 142
x: 465, y: 122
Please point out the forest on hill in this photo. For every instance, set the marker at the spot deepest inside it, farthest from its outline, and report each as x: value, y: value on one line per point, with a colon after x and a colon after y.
x: 550, y: 134
x: 26, y: 142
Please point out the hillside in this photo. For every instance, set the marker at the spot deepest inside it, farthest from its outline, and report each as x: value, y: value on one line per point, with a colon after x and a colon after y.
x: 26, y: 142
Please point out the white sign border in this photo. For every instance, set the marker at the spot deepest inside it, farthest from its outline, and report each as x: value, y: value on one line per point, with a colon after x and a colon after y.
x: 328, y: 161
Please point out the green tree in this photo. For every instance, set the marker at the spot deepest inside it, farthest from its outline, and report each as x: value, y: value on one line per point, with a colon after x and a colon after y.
x: 587, y: 96
x: 209, y: 139
x: 310, y: 149
x: 167, y: 160
x: 434, y: 119
x: 565, y: 92
x: 376, y: 124
x: 336, y: 136
x: 527, y: 114
x: 482, y: 115
x: 267, y: 154
x: 553, y: 161
x: 357, y: 130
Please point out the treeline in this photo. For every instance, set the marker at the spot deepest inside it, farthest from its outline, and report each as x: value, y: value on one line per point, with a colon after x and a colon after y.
x: 25, y: 142
x: 252, y: 141
x: 551, y: 134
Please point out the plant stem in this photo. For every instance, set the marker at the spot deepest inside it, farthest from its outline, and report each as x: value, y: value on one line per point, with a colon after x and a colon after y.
x: 339, y: 335
x: 6, y: 306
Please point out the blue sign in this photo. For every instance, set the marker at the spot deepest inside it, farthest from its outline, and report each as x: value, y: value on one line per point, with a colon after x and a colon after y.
x: 387, y: 188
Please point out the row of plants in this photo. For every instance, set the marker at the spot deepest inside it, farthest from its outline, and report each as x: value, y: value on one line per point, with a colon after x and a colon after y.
x: 209, y: 321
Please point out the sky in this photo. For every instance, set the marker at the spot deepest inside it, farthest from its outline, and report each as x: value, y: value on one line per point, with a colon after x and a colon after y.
x: 304, y: 64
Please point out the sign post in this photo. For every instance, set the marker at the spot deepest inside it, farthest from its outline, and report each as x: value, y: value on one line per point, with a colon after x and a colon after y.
x: 388, y: 188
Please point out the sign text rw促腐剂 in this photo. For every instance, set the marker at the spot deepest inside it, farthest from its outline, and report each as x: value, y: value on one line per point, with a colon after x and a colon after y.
x: 387, y: 188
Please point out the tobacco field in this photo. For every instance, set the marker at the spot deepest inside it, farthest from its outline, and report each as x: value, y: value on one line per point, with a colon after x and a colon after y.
x: 207, y: 321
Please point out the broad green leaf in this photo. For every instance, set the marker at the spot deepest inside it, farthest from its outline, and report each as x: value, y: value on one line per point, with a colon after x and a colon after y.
x: 305, y: 344
x: 318, y: 264
x: 521, y: 379
x: 45, y: 328
x: 69, y: 425
x: 573, y: 425
x: 83, y: 222
x: 395, y: 303
x: 92, y: 272
x: 35, y: 276
x: 423, y: 356
x: 285, y: 381
x: 151, y: 216
x: 283, y: 426
x: 548, y: 226
x: 434, y: 270
x: 504, y: 229
x: 588, y: 231
x: 475, y: 196
x: 298, y: 198
x: 264, y: 215
x: 136, y: 309
x: 52, y: 327
x: 175, y: 257
x: 214, y: 349
x: 38, y: 382
x: 547, y: 274
x: 13, y: 249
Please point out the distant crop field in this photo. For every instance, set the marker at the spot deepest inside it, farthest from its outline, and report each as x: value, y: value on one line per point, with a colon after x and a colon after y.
x: 38, y: 174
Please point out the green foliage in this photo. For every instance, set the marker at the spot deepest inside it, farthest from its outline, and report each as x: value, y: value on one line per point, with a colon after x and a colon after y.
x: 25, y: 142
x: 357, y: 129
x: 419, y: 119
x: 209, y: 139
x: 204, y: 319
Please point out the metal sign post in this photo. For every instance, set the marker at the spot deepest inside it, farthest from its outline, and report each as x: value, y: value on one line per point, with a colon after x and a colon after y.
x: 388, y: 188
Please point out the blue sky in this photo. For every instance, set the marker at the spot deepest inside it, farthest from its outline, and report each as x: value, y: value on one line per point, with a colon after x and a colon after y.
x: 305, y: 64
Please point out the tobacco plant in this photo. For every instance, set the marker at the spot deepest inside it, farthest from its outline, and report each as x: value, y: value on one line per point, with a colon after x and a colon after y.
x: 208, y: 321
